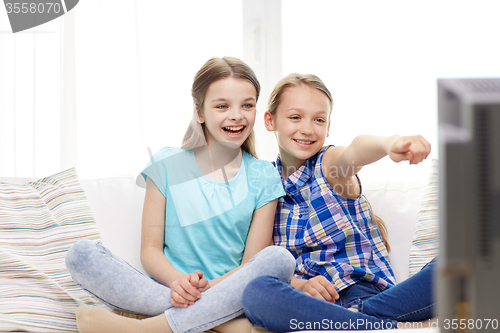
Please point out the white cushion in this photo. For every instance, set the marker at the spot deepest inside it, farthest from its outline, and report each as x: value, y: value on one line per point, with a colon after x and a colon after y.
x: 394, y: 190
x: 116, y: 203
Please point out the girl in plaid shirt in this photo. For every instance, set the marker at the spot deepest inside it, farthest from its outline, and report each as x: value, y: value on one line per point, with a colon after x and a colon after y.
x: 343, y: 278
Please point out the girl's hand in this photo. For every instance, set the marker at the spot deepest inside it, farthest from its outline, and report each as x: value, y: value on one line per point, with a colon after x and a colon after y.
x: 187, y: 289
x: 408, y: 148
x: 321, y: 288
x: 199, y: 281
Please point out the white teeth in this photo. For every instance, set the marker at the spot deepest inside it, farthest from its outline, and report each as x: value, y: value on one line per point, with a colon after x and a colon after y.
x: 234, y: 128
x: 304, y: 142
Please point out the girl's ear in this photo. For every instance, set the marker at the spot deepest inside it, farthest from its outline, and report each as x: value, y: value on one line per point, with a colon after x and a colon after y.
x: 328, y: 128
x: 269, y: 121
x: 199, y: 114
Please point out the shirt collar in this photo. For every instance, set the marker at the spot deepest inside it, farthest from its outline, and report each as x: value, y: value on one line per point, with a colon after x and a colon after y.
x: 299, y: 177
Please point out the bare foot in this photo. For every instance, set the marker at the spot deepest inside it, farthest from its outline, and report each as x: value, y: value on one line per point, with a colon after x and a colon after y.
x: 94, y: 319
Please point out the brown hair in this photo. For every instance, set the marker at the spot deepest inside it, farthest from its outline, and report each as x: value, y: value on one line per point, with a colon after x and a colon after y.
x: 216, y: 69
x: 381, y: 226
x: 295, y: 80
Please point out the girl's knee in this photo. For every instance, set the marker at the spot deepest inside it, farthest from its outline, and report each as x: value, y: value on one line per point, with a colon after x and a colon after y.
x: 277, y: 254
x: 277, y: 261
x: 79, y: 253
x: 260, y: 298
x: 258, y: 290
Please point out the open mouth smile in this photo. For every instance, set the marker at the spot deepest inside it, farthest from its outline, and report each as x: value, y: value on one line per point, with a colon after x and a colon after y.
x: 234, y: 130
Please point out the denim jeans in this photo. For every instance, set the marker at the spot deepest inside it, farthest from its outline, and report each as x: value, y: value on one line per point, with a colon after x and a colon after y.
x: 117, y: 284
x: 272, y: 303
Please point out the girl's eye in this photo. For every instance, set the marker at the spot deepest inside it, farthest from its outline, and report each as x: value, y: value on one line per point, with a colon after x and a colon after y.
x: 294, y: 117
x: 320, y: 120
x: 248, y: 106
x: 223, y: 106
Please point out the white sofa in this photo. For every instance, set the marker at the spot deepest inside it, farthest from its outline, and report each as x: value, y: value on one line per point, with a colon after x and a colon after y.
x: 394, y: 191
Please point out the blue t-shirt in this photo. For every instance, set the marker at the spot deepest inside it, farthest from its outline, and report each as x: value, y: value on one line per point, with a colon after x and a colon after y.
x: 207, y: 221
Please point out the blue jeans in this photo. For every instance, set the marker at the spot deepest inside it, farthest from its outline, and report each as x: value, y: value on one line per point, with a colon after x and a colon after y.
x: 272, y: 303
x: 117, y: 284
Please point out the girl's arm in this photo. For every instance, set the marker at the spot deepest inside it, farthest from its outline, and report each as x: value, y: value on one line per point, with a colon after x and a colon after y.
x: 341, y: 164
x: 366, y: 149
x: 260, y: 235
x: 153, y: 260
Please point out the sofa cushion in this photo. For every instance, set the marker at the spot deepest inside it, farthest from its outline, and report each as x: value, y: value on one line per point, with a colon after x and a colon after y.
x: 424, y: 246
x: 116, y: 204
x: 394, y: 190
x: 39, y: 221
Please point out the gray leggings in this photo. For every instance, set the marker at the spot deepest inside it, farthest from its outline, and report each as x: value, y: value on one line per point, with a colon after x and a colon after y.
x: 112, y: 280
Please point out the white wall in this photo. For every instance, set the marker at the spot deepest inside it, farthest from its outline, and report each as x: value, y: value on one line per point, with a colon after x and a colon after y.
x: 381, y: 59
x: 135, y: 61
x: 29, y: 99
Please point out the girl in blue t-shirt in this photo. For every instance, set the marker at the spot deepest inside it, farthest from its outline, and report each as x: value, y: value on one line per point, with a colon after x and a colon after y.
x: 343, y: 278
x: 207, y: 221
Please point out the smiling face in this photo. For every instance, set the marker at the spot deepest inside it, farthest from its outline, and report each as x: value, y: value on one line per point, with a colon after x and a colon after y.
x: 301, y: 124
x: 229, y: 111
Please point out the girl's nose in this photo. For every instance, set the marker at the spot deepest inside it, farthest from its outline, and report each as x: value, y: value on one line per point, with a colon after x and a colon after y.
x: 306, y: 129
x: 236, y: 114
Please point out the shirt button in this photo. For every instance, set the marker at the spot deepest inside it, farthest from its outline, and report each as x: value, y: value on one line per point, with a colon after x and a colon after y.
x: 300, y: 216
x: 297, y: 236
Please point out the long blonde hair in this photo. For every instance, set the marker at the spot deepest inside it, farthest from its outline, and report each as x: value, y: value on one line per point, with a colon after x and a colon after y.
x: 295, y: 80
x: 216, y: 69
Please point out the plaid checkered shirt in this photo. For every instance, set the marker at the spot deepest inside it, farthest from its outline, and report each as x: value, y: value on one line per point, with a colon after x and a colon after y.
x: 328, y: 234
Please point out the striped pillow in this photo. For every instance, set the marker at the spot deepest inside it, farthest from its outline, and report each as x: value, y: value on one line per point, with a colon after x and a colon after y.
x: 424, y: 246
x: 39, y: 221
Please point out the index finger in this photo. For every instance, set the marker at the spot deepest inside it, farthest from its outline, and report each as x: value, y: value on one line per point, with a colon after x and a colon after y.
x: 420, y: 150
